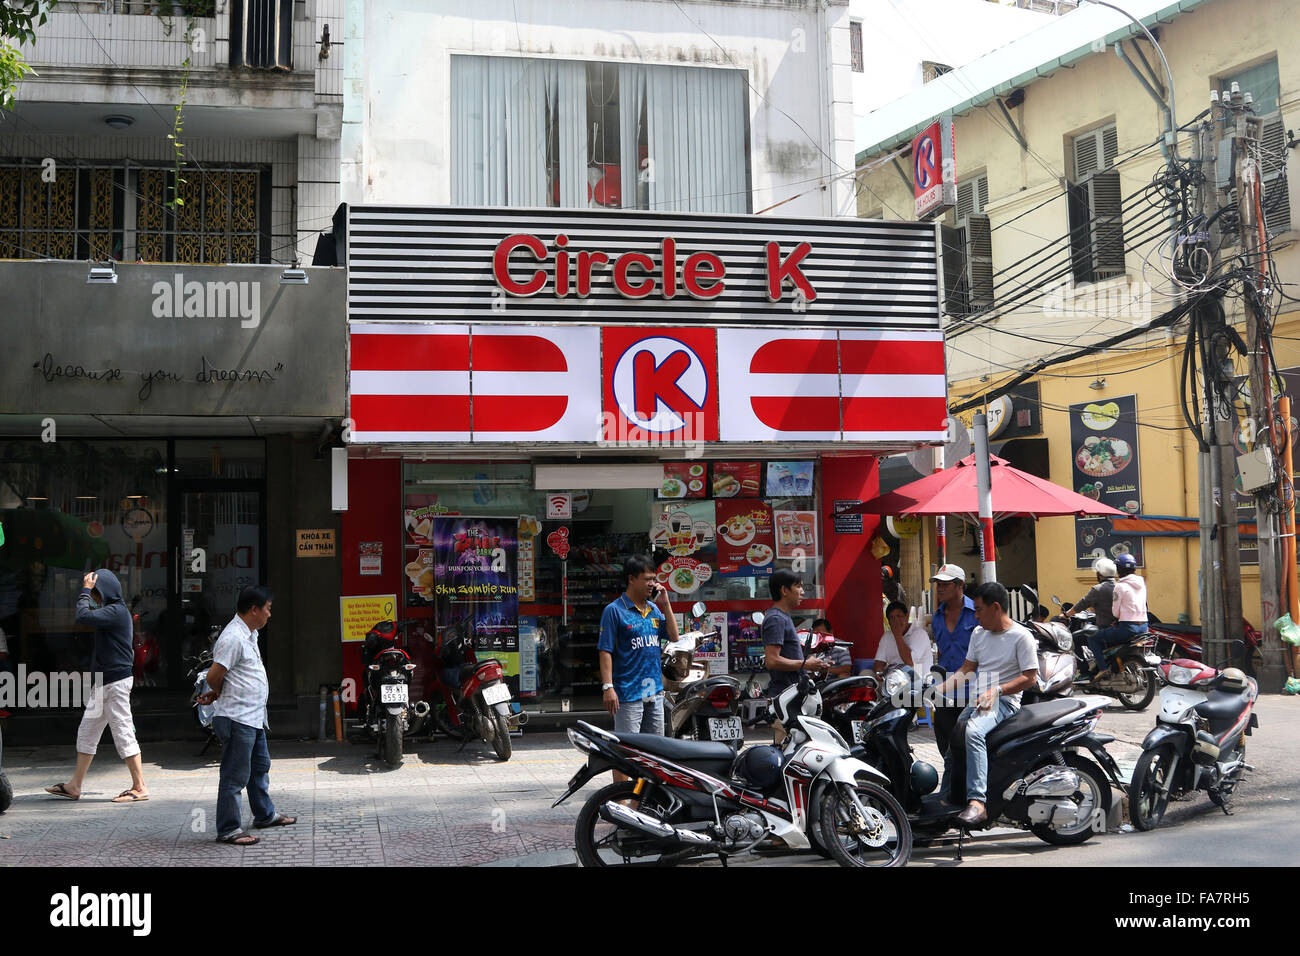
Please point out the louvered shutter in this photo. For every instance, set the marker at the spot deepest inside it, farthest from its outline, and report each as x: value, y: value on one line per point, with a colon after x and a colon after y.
x: 1273, y: 153
x: 979, y: 261
x: 1105, y: 204
x: 953, y: 256
x: 965, y: 199
x: 1085, y: 156
x: 982, y: 187
x: 1109, y: 146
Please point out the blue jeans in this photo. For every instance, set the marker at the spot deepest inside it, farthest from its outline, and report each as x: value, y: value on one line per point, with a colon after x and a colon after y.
x: 245, y: 763
x: 978, y: 726
x: 1120, y: 633
x: 645, y: 716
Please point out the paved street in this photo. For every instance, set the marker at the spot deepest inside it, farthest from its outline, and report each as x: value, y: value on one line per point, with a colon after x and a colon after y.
x: 448, y: 808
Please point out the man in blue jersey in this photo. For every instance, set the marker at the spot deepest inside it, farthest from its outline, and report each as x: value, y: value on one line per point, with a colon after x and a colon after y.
x: 630, y: 670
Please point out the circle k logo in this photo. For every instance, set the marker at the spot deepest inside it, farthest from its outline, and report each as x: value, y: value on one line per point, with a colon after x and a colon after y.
x: 660, y: 383
x: 925, y: 168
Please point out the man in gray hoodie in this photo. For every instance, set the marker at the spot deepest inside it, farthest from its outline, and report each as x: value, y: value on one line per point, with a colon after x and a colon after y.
x: 112, y: 663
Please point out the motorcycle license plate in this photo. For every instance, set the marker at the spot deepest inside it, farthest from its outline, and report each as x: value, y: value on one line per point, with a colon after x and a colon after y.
x: 859, y: 730
x: 725, y: 728
x: 496, y: 694
x: 392, y: 694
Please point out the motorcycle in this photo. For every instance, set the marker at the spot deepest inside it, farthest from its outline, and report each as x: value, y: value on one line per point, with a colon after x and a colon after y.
x: 1139, y: 665
x: 1198, y: 742
x: 1056, y: 662
x: 1184, y: 640
x: 695, y: 799
x: 695, y: 704
x: 755, y: 708
x: 1038, y: 777
x: 480, y: 707
x: 390, y: 715
x: 848, y: 702
x: 197, y: 678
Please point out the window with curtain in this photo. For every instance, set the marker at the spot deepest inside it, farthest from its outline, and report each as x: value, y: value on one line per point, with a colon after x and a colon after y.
x: 531, y: 132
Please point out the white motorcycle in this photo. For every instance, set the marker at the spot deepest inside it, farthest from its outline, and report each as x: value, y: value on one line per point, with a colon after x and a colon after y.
x: 687, y: 800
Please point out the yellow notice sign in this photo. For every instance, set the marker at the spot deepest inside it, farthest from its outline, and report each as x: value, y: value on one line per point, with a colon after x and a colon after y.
x: 359, y: 614
x: 316, y: 543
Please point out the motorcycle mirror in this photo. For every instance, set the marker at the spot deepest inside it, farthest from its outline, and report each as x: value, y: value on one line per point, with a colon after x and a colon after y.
x: 757, y: 617
x: 1056, y: 600
x: 698, y: 609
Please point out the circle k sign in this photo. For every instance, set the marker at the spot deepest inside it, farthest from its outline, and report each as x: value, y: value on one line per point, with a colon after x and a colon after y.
x: 660, y: 384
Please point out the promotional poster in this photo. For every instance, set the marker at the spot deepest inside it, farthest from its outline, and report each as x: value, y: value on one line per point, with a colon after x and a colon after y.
x: 474, y: 563
x: 1106, y: 468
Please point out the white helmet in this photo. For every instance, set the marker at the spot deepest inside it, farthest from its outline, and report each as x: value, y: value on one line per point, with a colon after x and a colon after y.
x: 1105, y: 567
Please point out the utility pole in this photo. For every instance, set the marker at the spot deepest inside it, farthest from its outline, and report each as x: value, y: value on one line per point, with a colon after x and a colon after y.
x: 1273, y: 600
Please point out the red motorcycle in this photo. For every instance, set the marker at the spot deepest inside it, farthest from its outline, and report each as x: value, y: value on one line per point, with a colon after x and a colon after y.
x: 475, y: 694
x: 1184, y: 640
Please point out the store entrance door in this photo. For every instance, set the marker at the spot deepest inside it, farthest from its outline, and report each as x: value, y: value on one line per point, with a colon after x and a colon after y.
x: 220, y: 549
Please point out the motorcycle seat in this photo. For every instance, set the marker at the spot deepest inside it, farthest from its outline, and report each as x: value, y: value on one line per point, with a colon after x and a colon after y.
x: 1223, y: 708
x: 680, y: 751
x: 1029, y: 718
x: 858, y: 680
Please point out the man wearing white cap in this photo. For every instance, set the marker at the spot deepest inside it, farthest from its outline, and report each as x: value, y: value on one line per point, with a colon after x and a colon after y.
x: 952, y: 624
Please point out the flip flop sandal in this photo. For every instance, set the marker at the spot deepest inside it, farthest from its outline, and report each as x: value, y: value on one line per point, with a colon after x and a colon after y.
x: 130, y: 796
x: 59, y: 790
x: 239, y: 838
x: 279, y: 821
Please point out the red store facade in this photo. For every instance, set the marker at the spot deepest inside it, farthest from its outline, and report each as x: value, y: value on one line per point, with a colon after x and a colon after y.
x: 556, y: 390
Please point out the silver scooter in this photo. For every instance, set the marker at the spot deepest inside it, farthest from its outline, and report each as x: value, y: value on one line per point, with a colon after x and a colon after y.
x: 1056, y: 663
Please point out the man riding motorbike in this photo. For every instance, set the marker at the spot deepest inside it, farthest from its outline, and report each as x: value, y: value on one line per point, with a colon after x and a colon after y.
x: 1100, y: 598
x: 1128, y: 609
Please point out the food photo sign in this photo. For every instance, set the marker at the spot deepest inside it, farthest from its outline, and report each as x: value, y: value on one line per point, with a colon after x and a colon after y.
x: 746, y: 543
x: 1106, y: 468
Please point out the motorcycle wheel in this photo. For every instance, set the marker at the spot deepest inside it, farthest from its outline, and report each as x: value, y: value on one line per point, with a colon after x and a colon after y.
x: 846, y: 848
x: 501, y: 737
x: 6, y: 793
x: 391, y: 745
x: 1145, y: 693
x: 594, y: 838
x: 1093, y: 780
x: 1146, y: 804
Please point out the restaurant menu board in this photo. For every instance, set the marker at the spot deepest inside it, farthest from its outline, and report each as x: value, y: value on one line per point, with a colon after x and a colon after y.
x: 744, y: 644
x: 746, y: 542
x: 790, y: 479
x: 474, y: 574
x: 796, y: 534
x: 1106, y: 468
x: 737, y: 479
x: 684, y: 479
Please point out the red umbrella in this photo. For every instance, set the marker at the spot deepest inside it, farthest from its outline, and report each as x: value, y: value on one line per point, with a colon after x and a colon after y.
x: 952, y: 491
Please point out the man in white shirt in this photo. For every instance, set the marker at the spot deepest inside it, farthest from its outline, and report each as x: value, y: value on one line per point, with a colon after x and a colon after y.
x: 239, y: 692
x: 903, y: 643
x: 1004, y: 658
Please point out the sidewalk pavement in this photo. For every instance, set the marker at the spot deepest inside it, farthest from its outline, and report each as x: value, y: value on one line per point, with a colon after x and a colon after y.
x: 441, y: 807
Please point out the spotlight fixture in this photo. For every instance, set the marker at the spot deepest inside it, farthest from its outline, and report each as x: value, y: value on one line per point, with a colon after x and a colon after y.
x: 102, y: 274
x: 1097, y: 385
x: 119, y: 121
x: 293, y: 276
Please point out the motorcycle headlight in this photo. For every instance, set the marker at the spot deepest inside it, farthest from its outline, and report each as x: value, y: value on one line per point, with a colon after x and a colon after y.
x: 897, y: 685
x: 1181, y: 675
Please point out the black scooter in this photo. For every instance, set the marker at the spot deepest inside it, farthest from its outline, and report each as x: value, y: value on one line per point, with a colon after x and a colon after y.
x: 390, y: 715
x: 696, y: 705
x: 1039, y: 780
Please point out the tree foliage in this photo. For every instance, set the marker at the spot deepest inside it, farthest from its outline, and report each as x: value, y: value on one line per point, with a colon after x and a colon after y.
x: 18, y: 22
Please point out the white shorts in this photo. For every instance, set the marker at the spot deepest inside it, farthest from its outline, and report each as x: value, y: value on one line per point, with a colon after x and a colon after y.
x: 110, y: 707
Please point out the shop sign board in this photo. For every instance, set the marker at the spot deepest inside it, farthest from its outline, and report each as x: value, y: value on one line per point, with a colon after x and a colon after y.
x: 661, y: 387
x: 1107, y: 468
x: 559, y: 506
x: 316, y: 543
x: 847, y: 523
x: 934, y: 169
x: 607, y: 267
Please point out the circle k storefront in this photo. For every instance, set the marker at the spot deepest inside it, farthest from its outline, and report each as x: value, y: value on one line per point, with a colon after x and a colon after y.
x: 535, y: 395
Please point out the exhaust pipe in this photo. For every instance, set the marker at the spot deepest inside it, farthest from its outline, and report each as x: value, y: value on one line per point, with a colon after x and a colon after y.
x: 625, y: 816
x: 521, y: 718
x: 421, y: 709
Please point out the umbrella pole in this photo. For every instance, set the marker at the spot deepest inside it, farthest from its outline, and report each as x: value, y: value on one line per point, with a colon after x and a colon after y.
x: 984, y: 485
x: 941, y: 522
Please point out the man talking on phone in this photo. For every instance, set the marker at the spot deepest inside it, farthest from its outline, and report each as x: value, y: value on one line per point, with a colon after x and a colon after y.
x: 630, y: 629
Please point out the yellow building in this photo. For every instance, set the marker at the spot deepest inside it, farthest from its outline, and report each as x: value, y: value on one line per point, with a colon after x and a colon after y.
x: 1062, y: 129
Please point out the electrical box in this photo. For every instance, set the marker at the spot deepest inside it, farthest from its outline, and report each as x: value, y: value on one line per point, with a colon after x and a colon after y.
x: 1256, y: 469
x: 1225, y: 170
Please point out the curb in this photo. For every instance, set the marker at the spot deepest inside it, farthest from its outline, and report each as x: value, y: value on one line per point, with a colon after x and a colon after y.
x: 550, y: 858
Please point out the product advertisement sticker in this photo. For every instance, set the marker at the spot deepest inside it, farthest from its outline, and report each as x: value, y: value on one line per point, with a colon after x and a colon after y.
x: 684, y: 479
x: 744, y: 644
x: 476, y: 590
x: 684, y: 575
x: 737, y: 479
x: 418, y: 518
x: 685, y: 529
x: 371, y: 557
x: 796, y: 534
x: 359, y: 613
x: 790, y: 479
x: 746, y: 540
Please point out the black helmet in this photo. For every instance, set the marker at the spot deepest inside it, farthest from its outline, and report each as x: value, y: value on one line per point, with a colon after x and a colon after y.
x: 761, y: 766
x: 924, y: 778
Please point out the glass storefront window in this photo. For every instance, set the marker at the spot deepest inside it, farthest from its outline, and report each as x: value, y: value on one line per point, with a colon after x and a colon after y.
x: 69, y: 507
x: 217, y: 458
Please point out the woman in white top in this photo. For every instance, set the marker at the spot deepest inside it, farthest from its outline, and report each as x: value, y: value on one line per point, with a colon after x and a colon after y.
x: 903, y: 643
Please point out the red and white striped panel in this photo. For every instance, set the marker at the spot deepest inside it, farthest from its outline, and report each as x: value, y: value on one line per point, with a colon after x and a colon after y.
x: 536, y: 384
x: 409, y: 383
x: 894, y: 386
x: 778, y: 385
